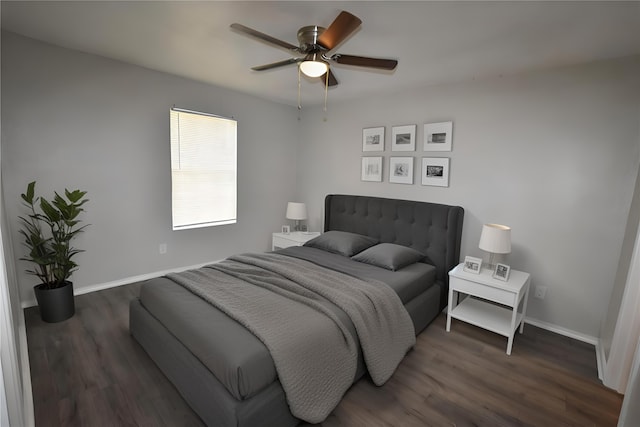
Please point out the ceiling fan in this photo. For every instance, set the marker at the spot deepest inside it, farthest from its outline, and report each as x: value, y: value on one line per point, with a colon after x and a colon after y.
x: 315, y: 44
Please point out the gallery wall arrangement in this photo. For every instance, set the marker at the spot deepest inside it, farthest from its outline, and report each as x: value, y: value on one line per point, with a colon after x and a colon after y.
x: 434, y: 171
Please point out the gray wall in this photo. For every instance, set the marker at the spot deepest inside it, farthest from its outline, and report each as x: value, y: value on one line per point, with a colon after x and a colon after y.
x: 72, y: 120
x: 552, y: 154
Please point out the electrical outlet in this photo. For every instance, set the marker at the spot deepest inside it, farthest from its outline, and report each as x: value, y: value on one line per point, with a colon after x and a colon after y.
x: 163, y: 248
x: 540, y: 292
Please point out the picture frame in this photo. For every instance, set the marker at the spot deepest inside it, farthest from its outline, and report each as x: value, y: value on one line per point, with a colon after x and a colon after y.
x: 286, y: 229
x: 373, y: 139
x: 372, y: 169
x: 401, y: 170
x: 438, y: 136
x: 403, y: 138
x: 435, y: 171
x: 501, y: 272
x: 472, y: 265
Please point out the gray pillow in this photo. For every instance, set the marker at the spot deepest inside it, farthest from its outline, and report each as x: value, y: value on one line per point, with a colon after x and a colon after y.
x: 341, y: 242
x: 390, y: 256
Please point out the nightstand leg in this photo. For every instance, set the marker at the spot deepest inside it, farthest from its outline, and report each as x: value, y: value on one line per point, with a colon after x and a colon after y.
x: 514, y: 316
x: 524, y: 306
x: 449, y: 308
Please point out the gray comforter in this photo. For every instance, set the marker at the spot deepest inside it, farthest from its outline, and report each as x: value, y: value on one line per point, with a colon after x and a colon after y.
x: 282, y: 300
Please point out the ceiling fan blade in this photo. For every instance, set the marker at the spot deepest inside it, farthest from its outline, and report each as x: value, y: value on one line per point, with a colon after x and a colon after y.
x: 332, y: 78
x: 339, y: 30
x: 277, y: 64
x: 363, y: 61
x: 265, y: 37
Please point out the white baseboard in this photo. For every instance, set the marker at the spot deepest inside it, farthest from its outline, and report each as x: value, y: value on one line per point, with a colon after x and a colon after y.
x: 125, y: 281
x: 562, y: 331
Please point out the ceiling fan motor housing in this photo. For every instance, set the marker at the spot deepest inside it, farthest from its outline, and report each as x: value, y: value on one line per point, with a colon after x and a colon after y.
x: 308, y: 38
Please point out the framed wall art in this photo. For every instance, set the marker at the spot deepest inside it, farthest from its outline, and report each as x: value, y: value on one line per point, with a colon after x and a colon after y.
x: 435, y: 171
x: 373, y: 139
x: 403, y: 138
x: 401, y: 170
x: 438, y: 136
x: 372, y: 169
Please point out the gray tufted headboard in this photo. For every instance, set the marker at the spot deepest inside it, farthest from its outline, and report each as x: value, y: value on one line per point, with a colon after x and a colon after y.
x: 431, y: 228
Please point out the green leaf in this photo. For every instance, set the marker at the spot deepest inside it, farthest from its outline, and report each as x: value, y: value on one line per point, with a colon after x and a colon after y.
x: 28, y: 197
x: 75, y: 196
x: 50, y: 212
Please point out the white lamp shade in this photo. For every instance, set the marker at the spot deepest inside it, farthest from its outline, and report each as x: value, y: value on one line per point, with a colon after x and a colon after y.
x: 296, y: 211
x: 495, y: 238
x: 313, y: 68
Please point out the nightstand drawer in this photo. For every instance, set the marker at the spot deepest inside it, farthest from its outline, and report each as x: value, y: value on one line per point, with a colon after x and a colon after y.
x: 282, y: 242
x: 296, y: 238
x: 487, y: 292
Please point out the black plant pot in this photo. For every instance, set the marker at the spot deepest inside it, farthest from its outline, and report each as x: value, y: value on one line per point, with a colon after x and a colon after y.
x: 57, y: 304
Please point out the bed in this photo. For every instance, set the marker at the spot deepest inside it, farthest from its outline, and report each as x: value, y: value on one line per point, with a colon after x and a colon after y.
x: 227, y: 375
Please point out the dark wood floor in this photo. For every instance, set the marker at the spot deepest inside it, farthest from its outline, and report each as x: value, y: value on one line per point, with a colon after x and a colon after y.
x: 88, y: 371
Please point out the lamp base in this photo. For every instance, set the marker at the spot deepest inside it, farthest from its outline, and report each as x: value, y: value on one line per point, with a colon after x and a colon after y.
x: 494, y: 259
x: 491, y: 264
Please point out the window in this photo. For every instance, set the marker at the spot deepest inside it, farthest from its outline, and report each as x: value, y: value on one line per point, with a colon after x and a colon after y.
x: 203, y: 169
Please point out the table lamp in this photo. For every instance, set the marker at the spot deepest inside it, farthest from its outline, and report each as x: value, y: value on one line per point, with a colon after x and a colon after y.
x: 495, y: 239
x: 296, y: 211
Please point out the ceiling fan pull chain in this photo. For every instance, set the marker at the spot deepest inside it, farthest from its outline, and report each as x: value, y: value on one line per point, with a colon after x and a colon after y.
x: 326, y: 89
x: 299, y: 104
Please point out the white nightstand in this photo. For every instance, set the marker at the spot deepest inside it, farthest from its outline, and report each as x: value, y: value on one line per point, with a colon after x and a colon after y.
x: 295, y: 238
x: 502, y: 318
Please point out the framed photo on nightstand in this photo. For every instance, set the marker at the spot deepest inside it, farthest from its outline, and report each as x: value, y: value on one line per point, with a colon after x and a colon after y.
x: 501, y: 272
x: 472, y: 264
x: 286, y: 229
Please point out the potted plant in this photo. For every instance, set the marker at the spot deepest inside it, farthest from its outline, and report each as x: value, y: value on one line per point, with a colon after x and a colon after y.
x: 48, y: 230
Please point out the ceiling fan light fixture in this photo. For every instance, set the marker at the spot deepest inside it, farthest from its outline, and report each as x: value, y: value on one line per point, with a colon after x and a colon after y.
x: 313, y: 68
x: 315, y: 43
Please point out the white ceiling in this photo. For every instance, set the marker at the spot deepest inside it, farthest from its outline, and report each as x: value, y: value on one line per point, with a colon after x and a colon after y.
x: 434, y: 42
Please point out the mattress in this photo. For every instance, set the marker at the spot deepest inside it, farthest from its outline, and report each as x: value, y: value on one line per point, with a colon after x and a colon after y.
x: 238, y: 359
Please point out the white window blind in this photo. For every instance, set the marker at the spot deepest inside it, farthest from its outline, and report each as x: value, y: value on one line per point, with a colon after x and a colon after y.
x: 203, y: 170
